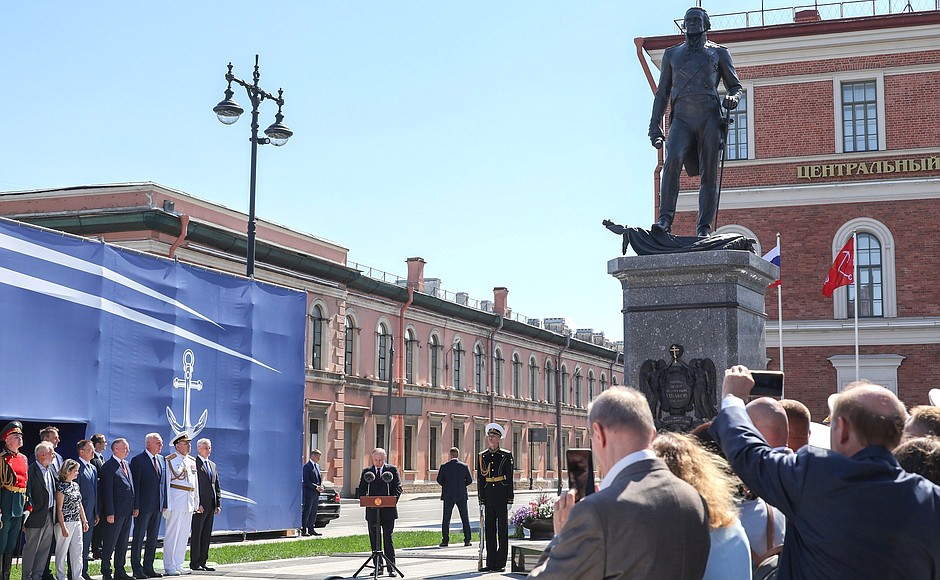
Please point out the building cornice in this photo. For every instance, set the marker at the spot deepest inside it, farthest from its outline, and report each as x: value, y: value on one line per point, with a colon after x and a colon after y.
x: 876, y: 190
x: 871, y: 332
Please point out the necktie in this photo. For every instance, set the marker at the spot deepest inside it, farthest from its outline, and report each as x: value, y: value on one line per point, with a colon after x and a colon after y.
x: 209, y: 470
x: 156, y: 466
x: 50, y: 488
x: 124, y: 469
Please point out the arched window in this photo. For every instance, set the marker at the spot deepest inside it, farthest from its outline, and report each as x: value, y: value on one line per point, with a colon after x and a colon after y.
x: 383, y: 339
x: 871, y: 298
x: 533, y: 379
x: 350, y: 340
x: 434, y: 360
x: 564, y: 385
x: 516, y: 376
x: 603, y: 382
x: 317, y: 322
x: 590, y: 386
x: 549, y: 374
x: 458, y: 359
x: 498, y: 372
x: 876, y: 271
x: 410, y: 341
x: 613, y: 380
x: 577, y: 388
x: 478, y: 367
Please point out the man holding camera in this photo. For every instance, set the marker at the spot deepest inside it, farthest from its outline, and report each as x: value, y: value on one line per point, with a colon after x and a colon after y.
x: 494, y: 486
x: 644, y: 522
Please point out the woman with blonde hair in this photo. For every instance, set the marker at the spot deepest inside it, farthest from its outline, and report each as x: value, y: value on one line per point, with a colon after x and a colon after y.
x: 730, y: 554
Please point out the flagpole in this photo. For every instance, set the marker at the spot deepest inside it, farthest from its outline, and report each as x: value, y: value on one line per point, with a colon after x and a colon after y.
x: 780, y: 310
x: 855, y: 286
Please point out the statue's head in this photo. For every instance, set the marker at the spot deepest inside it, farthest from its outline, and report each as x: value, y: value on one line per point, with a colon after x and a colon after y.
x: 696, y: 21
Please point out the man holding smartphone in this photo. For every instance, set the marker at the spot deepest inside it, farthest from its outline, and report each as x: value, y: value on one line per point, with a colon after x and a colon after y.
x: 495, y: 488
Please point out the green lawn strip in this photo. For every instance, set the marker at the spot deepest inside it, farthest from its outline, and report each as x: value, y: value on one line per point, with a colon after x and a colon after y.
x: 289, y: 548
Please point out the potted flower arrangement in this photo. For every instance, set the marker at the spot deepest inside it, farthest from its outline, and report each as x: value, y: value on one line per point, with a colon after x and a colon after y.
x: 536, y: 516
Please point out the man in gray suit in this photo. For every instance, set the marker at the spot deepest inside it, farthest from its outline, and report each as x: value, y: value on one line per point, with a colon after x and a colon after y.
x: 644, y: 522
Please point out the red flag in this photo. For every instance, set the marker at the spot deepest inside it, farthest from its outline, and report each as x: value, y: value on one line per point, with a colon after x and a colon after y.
x: 842, y: 271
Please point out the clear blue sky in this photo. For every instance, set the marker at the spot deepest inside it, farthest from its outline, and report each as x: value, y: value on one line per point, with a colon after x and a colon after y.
x: 488, y: 137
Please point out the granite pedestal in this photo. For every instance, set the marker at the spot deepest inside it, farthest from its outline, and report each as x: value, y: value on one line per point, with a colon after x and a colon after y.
x: 710, y: 303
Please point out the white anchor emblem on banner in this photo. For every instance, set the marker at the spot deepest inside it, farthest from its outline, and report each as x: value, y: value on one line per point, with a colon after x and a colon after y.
x: 188, y: 385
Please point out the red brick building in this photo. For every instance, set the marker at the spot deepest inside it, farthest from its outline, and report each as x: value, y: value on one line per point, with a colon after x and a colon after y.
x: 838, y: 133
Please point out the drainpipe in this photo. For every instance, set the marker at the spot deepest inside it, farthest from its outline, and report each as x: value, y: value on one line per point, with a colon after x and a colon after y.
x: 400, y: 444
x: 558, y: 408
x: 657, y: 173
x: 184, y: 229
x: 492, y: 373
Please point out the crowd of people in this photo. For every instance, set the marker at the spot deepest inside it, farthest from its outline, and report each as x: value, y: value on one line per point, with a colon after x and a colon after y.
x: 83, y: 510
x: 746, y: 496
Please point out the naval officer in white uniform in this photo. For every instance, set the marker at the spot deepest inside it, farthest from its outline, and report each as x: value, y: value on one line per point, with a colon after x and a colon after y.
x: 182, y: 500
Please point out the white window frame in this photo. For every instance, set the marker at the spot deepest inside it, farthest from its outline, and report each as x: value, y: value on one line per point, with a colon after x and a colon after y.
x: 888, y: 277
x: 856, y: 77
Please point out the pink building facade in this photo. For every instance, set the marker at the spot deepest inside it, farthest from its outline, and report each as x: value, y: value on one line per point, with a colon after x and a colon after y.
x: 468, y: 363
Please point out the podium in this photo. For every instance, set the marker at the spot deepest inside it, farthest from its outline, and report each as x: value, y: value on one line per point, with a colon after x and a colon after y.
x: 377, y: 558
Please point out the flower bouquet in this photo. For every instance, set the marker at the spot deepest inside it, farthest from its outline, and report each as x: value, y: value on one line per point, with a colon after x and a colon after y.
x: 541, y: 508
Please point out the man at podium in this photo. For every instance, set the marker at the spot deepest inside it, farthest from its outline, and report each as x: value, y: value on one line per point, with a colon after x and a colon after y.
x: 381, y: 479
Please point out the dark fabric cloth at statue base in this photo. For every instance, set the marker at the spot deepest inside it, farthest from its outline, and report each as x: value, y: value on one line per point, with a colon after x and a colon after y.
x: 646, y: 243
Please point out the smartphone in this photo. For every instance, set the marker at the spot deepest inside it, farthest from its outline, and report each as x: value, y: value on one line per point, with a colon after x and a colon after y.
x: 580, y: 472
x: 767, y: 384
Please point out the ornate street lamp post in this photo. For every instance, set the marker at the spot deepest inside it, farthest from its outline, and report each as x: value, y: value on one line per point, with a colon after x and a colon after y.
x: 228, y: 112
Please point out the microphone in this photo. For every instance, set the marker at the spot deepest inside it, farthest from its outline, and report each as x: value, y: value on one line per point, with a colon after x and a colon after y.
x: 369, y: 477
x: 387, y: 477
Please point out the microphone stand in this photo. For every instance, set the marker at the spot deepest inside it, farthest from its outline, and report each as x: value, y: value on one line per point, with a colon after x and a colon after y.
x: 377, y: 558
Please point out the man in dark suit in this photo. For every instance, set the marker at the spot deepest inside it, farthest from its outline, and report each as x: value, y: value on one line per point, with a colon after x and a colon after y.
x: 644, y: 522
x: 88, y: 486
x: 851, y: 512
x: 100, y: 442
x: 117, y: 507
x: 40, y: 493
x: 386, y: 482
x: 454, y: 477
x: 51, y: 434
x: 313, y: 485
x: 210, y: 504
x: 148, y: 469
x: 495, y: 490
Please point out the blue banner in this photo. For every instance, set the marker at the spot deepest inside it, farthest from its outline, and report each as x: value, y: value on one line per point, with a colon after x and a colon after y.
x: 126, y: 344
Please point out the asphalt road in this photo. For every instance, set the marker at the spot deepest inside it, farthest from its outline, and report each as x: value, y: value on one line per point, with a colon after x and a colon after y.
x: 415, y: 512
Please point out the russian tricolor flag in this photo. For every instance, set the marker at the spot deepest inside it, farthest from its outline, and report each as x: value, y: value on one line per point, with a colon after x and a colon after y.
x: 773, y: 256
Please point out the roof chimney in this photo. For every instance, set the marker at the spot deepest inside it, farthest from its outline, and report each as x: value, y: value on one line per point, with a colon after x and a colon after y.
x: 416, y: 273
x: 806, y: 16
x: 500, y: 295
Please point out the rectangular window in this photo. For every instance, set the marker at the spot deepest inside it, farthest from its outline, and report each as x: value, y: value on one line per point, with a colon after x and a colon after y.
x: 871, y: 303
x: 409, y: 447
x: 313, y: 431
x: 736, y: 141
x: 458, y: 355
x: 516, y: 446
x: 458, y: 437
x: 516, y: 378
x: 317, y: 340
x: 550, y: 453
x: 478, y: 441
x: 859, y: 116
x: 434, y: 447
x: 380, y: 435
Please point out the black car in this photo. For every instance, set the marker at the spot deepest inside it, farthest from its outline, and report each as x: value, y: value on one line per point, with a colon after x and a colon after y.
x: 328, y: 507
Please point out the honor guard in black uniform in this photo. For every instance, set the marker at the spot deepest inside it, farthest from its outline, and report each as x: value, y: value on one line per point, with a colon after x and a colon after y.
x: 495, y: 488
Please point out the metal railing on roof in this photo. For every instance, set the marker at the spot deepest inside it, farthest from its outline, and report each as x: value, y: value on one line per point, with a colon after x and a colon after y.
x: 828, y: 11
